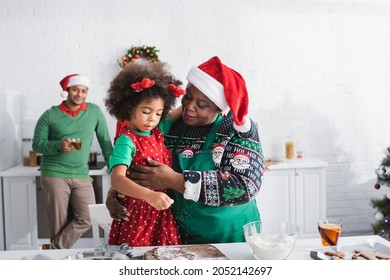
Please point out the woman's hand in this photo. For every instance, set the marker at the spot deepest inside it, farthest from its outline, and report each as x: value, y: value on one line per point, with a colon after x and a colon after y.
x: 117, y: 210
x: 157, y: 176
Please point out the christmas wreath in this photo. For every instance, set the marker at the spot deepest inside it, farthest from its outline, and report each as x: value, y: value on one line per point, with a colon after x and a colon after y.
x: 135, y: 52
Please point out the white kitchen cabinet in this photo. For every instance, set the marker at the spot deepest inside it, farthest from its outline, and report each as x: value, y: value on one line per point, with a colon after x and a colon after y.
x: 10, y: 141
x: 2, y: 245
x: 20, y: 205
x: 295, y: 190
x: 20, y: 213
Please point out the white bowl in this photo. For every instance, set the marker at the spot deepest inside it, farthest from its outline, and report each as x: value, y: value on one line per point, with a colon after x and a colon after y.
x: 271, y: 240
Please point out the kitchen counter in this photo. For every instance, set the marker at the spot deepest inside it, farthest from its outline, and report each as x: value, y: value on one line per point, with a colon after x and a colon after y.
x: 21, y: 171
x: 298, y: 187
x: 234, y: 251
x: 279, y: 164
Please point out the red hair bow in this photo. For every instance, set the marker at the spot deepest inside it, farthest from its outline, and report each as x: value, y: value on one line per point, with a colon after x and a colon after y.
x: 176, y: 90
x: 145, y: 83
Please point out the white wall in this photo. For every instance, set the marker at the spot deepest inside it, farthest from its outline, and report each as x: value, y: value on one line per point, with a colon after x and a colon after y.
x: 317, y: 71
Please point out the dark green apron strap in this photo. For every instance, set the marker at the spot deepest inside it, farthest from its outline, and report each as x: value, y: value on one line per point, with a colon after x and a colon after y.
x: 211, y: 137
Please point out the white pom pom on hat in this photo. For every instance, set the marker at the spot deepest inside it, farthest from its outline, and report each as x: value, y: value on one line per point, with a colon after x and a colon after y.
x: 225, y: 87
x: 73, y: 80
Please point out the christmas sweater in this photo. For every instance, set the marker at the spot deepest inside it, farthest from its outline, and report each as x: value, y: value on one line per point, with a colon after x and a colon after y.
x: 238, y: 160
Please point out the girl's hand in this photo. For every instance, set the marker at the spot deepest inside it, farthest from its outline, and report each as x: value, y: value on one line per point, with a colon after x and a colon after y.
x: 159, y: 200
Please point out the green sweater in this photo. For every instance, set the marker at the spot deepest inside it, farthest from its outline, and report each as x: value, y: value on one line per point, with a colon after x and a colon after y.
x: 54, y: 125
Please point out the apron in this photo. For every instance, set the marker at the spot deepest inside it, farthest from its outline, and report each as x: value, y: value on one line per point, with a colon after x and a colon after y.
x: 199, y: 223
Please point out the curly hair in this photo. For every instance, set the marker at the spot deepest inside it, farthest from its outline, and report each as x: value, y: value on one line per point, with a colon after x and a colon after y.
x: 122, y: 100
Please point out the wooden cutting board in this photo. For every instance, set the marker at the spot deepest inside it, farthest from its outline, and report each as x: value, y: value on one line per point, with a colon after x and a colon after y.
x: 185, y: 252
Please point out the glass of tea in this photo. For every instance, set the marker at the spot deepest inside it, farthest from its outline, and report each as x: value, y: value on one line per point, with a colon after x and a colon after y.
x: 329, y: 230
x: 76, y: 143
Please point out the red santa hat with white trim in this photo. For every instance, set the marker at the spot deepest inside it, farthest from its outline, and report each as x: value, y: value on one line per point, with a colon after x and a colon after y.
x: 225, y: 87
x: 73, y: 80
x: 240, y: 155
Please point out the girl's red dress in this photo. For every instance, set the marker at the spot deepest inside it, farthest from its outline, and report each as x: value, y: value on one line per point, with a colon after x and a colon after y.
x: 146, y: 226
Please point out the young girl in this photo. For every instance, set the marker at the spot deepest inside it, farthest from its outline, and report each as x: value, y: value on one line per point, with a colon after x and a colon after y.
x: 141, y: 96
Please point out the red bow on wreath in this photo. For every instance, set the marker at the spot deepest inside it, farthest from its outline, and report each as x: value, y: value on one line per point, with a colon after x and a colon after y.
x: 176, y: 90
x: 145, y: 83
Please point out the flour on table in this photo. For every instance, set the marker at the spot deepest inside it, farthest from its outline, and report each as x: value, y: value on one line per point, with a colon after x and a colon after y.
x: 185, y: 252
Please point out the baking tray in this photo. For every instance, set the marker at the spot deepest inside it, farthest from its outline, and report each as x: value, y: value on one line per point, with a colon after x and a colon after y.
x: 349, y: 249
x: 97, y: 255
x: 107, y: 252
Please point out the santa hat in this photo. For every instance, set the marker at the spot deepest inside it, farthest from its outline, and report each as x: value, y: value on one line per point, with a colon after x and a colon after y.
x: 240, y: 155
x: 225, y: 87
x: 218, y: 147
x: 188, y: 152
x: 73, y: 80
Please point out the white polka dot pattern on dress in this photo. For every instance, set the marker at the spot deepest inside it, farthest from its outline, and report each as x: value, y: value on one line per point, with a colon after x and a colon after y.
x: 146, y: 226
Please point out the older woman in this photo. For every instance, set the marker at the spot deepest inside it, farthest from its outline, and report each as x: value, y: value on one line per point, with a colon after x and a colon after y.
x: 218, y: 160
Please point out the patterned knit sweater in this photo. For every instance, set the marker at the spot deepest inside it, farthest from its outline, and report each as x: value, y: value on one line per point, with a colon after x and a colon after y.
x: 238, y: 160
